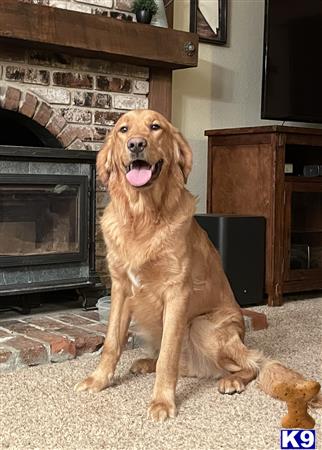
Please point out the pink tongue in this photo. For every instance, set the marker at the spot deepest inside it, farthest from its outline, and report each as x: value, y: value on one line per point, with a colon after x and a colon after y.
x: 139, y: 176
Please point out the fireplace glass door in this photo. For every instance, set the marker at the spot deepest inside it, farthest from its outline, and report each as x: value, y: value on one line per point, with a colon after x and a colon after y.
x: 42, y: 219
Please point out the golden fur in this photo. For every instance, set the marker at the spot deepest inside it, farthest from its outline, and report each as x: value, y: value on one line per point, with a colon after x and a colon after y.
x: 166, y: 275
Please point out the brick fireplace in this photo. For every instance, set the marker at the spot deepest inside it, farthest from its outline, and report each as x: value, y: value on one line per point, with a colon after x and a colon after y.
x: 76, y: 100
x: 68, y: 70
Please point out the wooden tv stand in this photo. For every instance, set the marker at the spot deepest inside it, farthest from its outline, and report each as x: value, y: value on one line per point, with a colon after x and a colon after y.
x: 246, y: 175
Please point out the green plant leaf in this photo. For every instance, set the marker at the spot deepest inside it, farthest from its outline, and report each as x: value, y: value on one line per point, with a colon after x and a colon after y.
x: 145, y: 5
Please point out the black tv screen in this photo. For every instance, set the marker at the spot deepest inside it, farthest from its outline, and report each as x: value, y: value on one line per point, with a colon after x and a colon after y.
x: 292, y: 69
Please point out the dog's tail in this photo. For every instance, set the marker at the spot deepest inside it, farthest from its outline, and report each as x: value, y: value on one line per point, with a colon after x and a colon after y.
x: 272, y: 373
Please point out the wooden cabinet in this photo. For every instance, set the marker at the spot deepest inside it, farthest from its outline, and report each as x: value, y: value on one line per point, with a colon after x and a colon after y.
x: 259, y: 171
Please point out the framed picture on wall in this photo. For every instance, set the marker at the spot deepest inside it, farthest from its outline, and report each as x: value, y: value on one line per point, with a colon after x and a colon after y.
x: 209, y: 20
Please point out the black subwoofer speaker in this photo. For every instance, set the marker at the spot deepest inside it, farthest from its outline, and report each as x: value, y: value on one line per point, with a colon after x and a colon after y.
x: 240, y: 241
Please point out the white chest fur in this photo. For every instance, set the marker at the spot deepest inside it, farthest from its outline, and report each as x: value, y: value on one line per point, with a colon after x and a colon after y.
x: 134, y: 278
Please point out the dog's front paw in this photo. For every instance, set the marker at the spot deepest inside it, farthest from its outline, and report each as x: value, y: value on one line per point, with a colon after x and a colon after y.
x: 159, y: 411
x: 94, y: 383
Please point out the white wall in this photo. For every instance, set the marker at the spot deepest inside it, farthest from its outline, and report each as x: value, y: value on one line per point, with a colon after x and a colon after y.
x: 224, y: 91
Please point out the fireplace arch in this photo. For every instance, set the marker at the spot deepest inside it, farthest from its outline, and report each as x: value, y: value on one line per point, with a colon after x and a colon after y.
x: 20, y: 130
x: 43, y: 124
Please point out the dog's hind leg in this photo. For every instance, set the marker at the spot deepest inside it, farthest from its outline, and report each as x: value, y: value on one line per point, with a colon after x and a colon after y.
x: 241, y: 370
x: 236, y: 382
x: 214, y: 347
x: 217, y: 341
x: 151, y: 341
x: 143, y: 366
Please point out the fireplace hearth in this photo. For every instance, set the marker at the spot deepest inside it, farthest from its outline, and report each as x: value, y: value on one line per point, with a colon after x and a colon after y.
x: 47, y: 220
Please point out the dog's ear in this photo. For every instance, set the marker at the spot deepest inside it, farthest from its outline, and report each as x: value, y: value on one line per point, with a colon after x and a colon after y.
x: 104, y: 161
x: 184, y: 154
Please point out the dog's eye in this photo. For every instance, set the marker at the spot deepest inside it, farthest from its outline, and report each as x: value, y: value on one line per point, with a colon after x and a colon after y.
x: 123, y: 129
x: 155, y: 126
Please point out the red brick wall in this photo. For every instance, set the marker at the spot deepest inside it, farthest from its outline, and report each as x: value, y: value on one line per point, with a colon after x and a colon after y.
x: 81, y: 98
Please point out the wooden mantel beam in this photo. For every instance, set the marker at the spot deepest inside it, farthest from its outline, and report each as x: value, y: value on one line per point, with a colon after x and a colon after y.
x: 95, y: 36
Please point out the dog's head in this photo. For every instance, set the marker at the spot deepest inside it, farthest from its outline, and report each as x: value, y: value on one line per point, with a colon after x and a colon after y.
x: 142, y: 150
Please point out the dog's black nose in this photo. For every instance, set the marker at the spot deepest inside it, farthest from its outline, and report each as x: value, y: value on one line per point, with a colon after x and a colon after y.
x: 136, y: 145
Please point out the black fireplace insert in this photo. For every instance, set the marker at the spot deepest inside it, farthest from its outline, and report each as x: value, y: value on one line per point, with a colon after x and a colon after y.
x: 47, y: 219
x: 42, y: 219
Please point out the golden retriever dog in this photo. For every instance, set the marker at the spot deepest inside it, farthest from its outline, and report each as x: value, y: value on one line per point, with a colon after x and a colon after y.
x: 166, y: 275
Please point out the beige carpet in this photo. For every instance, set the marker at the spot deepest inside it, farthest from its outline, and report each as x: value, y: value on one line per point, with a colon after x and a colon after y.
x: 39, y: 409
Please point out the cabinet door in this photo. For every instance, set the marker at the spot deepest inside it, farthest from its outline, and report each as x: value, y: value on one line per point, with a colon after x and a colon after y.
x: 303, y: 229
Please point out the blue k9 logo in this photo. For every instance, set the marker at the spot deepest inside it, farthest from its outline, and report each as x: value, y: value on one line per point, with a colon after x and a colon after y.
x: 298, y: 439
